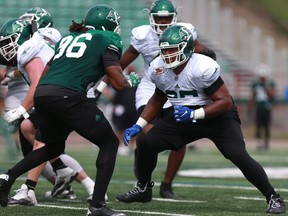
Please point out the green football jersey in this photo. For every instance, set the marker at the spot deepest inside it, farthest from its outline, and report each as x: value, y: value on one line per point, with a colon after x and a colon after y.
x: 78, y: 62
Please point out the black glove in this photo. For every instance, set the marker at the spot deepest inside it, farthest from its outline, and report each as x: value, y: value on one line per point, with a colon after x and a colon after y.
x: 210, y: 53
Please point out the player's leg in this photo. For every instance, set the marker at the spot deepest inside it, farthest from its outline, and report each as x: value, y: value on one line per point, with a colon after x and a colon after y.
x: 175, y: 159
x: 25, y: 195
x: 85, y: 124
x: 227, y: 135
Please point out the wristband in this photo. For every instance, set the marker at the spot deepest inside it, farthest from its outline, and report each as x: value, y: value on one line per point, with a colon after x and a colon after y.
x: 23, y: 112
x: 102, y: 85
x: 199, y: 113
x: 141, y: 122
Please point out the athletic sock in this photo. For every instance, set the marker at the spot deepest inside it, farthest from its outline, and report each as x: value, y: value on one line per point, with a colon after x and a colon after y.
x: 58, y: 164
x: 88, y: 183
x: 30, y: 184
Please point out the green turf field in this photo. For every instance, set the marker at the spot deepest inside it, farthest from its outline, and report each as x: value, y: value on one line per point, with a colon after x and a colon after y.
x: 197, y: 195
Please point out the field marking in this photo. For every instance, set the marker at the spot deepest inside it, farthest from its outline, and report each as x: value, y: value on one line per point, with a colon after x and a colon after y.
x: 250, y: 198
x: 179, y: 201
x: 193, y: 185
x: 272, y: 172
x: 127, y: 211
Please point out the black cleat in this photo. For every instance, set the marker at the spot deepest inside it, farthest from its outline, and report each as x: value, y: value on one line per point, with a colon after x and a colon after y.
x: 276, y: 205
x: 102, y: 211
x: 6, y: 183
x: 139, y: 194
x: 68, y: 193
x: 166, y: 191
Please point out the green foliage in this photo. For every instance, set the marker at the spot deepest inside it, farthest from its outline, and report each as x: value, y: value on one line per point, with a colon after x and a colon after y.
x: 278, y: 10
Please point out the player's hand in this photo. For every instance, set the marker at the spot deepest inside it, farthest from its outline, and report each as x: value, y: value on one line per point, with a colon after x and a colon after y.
x: 133, y: 78
x: 131, y: 132
x: 8, y: 77
x: 183, y: 114
x: 97, y: 94
x: 15, y: 114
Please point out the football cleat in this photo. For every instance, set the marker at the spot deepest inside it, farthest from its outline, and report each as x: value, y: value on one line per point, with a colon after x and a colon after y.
x: 276, y: 205
x: 166, y: 191
x: 63, y: 178
x: 23, y: 196
x: 68, y: 193
x: 139, y: 194
x: 6, y: 183
x: 103, y: 211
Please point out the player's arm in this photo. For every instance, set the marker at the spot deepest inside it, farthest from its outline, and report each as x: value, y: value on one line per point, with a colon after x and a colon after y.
x: 127, y: 58
x: 154, y: 105
x: 34, y: 69
x: 114, y: 71
x: 222, y: 101
x: 151, y: 110
x: 7, y: 74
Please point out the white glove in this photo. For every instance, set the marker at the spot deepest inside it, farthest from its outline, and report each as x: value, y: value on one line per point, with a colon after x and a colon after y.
x: 8, y: 77
x: 15, y: 114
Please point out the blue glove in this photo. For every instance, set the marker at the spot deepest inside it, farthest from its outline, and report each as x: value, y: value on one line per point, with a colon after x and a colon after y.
x: 131, y: 132
x: 183, y: 114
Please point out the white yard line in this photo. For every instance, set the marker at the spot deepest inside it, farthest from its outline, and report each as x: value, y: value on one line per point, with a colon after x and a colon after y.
x: 137, y: 212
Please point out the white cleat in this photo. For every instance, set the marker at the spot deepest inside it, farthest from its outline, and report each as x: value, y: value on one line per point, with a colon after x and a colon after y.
x: 23, y: 196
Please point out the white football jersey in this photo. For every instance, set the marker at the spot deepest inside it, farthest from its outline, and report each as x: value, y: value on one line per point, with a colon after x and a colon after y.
x: 16, y: 92
x: 186, y: 88
x: 146, y: 42
x: 36, y: 47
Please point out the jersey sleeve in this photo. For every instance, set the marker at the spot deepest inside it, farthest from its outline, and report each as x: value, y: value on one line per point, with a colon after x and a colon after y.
x: 138, y: 36
x: 116, y: 43
x: 28, y: 50
x: 211, y: 73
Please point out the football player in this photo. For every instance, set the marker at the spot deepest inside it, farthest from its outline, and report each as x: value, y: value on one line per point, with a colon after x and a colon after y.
x: 144, y: 41
x: 28, y: 52
x: 203, y: 108
x: 92, y: 49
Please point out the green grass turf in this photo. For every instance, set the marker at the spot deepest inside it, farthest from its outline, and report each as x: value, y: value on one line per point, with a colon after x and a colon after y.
x: 197, y: 196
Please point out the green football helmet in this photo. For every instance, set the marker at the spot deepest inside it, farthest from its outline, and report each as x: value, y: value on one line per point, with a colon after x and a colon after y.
x: 164, y: 9
x: 180, y: 39
x: 103, y: 17
x: 42, y: 17
x: 12, y: 34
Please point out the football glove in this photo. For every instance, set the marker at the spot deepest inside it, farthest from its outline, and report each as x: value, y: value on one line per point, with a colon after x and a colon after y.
x: 131, y: 132
x: 97, y: 94
x: 8, y: 77
x: 183, y: 114
x: 15, y: 114
x: 133, y: 78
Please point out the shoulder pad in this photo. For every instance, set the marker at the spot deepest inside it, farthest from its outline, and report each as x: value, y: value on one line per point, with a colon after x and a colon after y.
x: 190, y: 27
x: 51, y: 33
x: 141, y: 32
x: 28, y: 50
